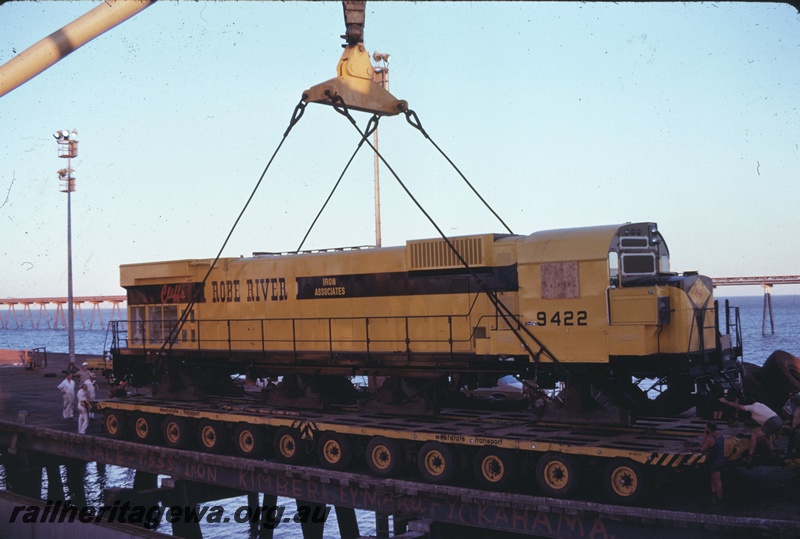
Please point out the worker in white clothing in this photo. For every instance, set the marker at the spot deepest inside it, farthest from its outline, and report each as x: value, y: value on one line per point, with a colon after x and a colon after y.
x: 91, y: 390
x: 67, y: 388
x: 83, y: 410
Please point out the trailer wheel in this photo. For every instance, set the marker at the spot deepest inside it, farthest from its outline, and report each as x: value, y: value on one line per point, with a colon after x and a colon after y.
x: 384, y: 457
x: 437, y: 463
x: 248, y: 440
x: 210, y: 436
x: 289, y: 446
x: 625, y: 481
x: 335, y: 451
x: 558, y: 475
x: 495, y: 468
x: 145, y: 428
x: 115, y: 424
x: 175, y: 431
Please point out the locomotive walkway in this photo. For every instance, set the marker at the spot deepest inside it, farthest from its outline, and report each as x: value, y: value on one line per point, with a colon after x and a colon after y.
x: 762, y: 502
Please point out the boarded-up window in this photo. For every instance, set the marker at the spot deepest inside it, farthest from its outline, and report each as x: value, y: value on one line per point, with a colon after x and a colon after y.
x: 560, y: 280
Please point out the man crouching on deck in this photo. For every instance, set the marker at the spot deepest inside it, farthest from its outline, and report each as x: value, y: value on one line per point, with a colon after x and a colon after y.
x: 770, y: 424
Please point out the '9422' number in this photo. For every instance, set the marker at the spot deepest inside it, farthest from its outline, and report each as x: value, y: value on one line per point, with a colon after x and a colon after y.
x: 562, y: 318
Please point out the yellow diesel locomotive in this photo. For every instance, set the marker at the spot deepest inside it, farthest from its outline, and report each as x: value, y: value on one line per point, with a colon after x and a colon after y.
x: 589, y: 311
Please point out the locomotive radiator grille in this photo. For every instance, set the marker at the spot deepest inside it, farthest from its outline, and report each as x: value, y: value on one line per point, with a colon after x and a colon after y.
x: 436, y: 254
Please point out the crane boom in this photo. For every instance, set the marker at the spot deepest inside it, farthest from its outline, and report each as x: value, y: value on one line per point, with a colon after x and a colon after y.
x: 354, y: 18
x: 46, y: 52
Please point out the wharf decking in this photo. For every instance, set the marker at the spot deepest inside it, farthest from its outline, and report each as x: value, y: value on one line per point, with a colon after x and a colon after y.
x: 34, y: 393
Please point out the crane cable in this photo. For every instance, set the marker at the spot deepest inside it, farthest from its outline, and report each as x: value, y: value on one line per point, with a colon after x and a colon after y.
x: 413, y: 120
x: 340, y: 107
x: 371, y: 127
x: 169, y: 342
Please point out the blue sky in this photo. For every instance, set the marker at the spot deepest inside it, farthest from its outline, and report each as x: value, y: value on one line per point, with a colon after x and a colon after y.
x: 560, y: 114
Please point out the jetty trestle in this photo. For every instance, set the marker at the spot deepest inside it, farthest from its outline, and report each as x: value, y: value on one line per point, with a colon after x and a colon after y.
x: 11, y: 319
x: 427, y: 506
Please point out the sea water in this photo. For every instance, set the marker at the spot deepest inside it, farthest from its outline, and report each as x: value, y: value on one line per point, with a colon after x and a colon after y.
x: 757, y: 344
x: 786, y: 318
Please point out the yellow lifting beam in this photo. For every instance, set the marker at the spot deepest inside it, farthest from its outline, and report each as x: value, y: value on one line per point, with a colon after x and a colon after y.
x: 354, y: 82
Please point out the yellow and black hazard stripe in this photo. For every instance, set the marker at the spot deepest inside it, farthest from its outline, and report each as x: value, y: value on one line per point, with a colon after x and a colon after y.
x: 308, y: 429
x: 674, y: 460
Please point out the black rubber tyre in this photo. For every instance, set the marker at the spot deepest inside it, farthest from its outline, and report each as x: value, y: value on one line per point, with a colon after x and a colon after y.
x: 495, y: 468
x: 437, y: 463
x: 144, y: 428
x: 289, y: 446
x: 558, y: 475
x: 625, y: 482
x: 248, y: 440
x: 335, y: 451
x: 210, y: 436
x: 115, y: 424
x: 175, y: 431
x: 385, y: 457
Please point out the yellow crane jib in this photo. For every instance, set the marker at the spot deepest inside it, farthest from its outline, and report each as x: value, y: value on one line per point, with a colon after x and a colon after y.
x: 355, y: 76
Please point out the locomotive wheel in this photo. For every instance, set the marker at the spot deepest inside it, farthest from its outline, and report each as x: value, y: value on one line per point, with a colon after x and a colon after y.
x: 145, y: 428
x: 625, y: 481
x: 115, y: 424
x: 248, y: 440
x: 495, y: 469
x: 289, y: 446
x: 175, y: 431
x: 558, y: 475
x: 437, y: 463
x: 384, y: 457
x: 210, y: 436
x: 335, y: 451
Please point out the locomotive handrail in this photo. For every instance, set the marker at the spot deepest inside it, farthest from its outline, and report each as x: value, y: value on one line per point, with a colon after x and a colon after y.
x: 122, y: 332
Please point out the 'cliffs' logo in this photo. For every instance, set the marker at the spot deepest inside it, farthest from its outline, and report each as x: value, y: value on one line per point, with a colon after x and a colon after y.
x: 172, y: 293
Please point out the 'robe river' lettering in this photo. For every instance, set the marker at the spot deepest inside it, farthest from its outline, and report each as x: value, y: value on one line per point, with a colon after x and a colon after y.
x: 269, y: 289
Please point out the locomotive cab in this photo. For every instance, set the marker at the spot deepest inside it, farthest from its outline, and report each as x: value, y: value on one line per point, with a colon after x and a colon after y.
x: 604, y: 304
x: 680, y: 340
x: 637, y: 252
x: 643, y: 292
